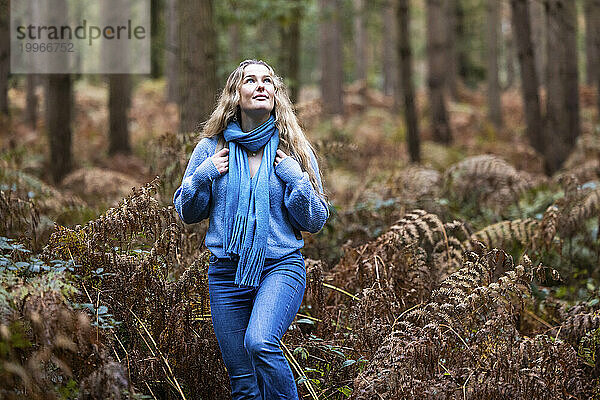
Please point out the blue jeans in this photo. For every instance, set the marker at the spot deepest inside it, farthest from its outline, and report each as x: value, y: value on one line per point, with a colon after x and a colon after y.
x: 249, y: 323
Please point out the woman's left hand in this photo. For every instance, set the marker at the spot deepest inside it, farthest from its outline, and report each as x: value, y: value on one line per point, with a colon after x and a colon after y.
x: 279, y: 156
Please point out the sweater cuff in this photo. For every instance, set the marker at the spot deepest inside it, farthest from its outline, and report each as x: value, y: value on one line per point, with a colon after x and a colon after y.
x: 289, y: 170
x: 207, y: 170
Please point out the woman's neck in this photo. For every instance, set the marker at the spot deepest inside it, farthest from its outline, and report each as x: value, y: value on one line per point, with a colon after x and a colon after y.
x: 250, y: 122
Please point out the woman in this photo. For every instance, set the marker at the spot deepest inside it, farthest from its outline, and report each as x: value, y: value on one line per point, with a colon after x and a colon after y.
x: 255, y: 176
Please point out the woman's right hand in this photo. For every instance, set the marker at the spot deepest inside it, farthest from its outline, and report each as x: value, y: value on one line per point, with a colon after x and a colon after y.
x: 221, y: 160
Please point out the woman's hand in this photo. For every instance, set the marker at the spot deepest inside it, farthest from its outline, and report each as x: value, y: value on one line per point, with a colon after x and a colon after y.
x: 221, y: 160
x: 279, y: 156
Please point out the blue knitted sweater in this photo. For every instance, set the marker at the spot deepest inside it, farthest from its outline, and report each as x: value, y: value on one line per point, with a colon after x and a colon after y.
x: 294, y: 202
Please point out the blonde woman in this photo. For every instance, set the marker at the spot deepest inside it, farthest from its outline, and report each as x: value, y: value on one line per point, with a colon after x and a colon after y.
x: 255, y: 176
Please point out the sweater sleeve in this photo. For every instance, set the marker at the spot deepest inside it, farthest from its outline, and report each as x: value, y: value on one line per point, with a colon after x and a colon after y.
x: 192, y: 198
x: 307, y: 209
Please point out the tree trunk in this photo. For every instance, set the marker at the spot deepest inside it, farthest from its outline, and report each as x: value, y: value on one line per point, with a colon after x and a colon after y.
x: 197, y: 62
x: 360, y: 41
x: 156, y: 43
x: 32, y: 101
x: 436, y: 61
x: 462, y: 58
x: 594, y: 32
x: 538, y: 38
x: 509, y: 52
x: 562, y: 114
x: 171, y: 51
x: 331, y: 58
x: 493, y: 83
x: 592, y: 28
x: 452, y: 53
x: 4, y: 54
x: 390, y: 60
x: 234, y: 41
x: 58, y: 124
x: 529, y: 80
x: 290, y: 51
x: 118, y: 105
x: 406, y: 80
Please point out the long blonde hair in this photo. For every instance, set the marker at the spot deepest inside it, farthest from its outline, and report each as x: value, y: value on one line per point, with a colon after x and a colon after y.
x: 292, y: 139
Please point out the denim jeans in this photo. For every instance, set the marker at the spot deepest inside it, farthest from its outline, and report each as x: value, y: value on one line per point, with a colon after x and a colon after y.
x: 249, y: 324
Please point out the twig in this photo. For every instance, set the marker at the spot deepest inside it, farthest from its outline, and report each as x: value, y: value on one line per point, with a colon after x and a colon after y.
x: 327, y: 285
x: 296, y: 366
x: 161, y: 355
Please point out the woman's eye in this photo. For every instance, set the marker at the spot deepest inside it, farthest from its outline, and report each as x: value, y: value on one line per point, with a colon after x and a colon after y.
x: 268, y: 80
x: 249, y: 80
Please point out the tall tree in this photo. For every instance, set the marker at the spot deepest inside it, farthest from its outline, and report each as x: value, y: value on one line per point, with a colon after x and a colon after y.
x: 406, y: 80
x: 436, y: 62
x: 538, y: 38
x: 451, y: 47
x: 119, y: 87
x: 197, y: 62
x: 509, y: 48
x: 529, y: 78
x: 171, y: 51
x: 493, y: 82
x: 592, y: 27
x: 360, y: 41
x: 290, y: 48
x: 390, y: 59
x: 156, y: 38
x: 59, y: 105
x: 58, y: 124
x: 4, y: 54
x: 562, y: 115
x: 594, y: 32
x: 31, y: 99
x: 331, y: 57
x: 118, y: 104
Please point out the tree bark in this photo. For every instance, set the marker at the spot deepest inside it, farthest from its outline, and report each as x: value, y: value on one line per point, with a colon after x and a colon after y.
x: 58, y: 124
x: 592, y: 28
x: 197, y: 62
x: 118, y: 105
x: 390, y: 59
x: 406, y: 80
x: 562, y: 113
x: 529, y: 79
x: 360, y: 41
x: 331, y: 58
x: 436, y: 61
x: 4, y: 54
x: 171, y: 51
x: 493, y: 82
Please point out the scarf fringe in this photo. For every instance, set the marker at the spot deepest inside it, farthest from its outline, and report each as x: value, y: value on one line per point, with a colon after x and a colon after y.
x: 250, y: 267
x: 237, y: 233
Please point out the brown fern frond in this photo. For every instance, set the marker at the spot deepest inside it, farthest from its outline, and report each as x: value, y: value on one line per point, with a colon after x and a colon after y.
x: 504, y: 233
x: 488, y: 180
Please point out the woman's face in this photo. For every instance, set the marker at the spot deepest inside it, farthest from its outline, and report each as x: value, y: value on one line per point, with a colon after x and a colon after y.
x: 257, y: 93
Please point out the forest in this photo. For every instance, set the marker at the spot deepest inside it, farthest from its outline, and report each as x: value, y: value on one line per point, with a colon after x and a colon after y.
x: 459, y: 142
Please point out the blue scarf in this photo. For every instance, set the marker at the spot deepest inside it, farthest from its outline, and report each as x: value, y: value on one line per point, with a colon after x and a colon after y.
x: 247, y: 201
